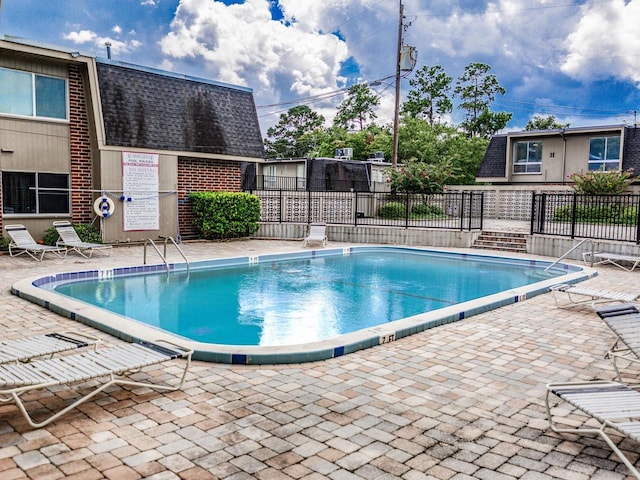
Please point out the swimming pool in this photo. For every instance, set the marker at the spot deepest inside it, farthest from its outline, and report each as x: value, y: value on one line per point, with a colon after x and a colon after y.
x: 297, y: 307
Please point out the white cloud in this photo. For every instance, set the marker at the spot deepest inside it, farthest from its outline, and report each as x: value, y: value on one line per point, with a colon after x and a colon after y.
x: 81, y: 37
x: 240, y: 44
x: 605, y: 43
x: 88, y: 37
x: 117, y: 29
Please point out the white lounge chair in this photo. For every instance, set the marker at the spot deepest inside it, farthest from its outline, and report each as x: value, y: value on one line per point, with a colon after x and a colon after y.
x: 112, y: 365
x: 578, y: 295
x: 624, y: 321
x: 69, y: 239
x: 28, y: 348
x: 613, y: 405
x: 317, y: 234
x: 22, y: 242
x: 625, y: 262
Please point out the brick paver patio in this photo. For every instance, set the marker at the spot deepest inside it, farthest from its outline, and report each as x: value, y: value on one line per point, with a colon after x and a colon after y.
x: 458, y: 402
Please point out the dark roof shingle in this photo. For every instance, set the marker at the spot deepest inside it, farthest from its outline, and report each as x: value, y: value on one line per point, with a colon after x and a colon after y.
x: 145, y: 109
x: 494, y: 161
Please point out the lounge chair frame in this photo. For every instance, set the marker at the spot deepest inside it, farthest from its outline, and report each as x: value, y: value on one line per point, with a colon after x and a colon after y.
x: 22, y: 242
x: 624, y: 321
x: 617, y: 259
x: 69, y: 239
x: 579, y: 295
x: 612, y: 404
x: 113, y: 365
x: 317, y: 234
x: 48, y: 344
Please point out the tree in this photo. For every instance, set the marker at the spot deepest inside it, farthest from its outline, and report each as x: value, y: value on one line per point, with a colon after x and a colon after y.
x: 550, y: 122
x: 357, y: 107
x: 419, y: 177
x: 477, y: 89
x: 429, y: 97
x: 442, y: 144
x: 290, y: 137
x: 372, y: 139
x: 488, y: 123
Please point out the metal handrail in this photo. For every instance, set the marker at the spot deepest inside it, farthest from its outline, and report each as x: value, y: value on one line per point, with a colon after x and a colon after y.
x: 568, y: 252
x: 163, y: 257
x: 166, y: 239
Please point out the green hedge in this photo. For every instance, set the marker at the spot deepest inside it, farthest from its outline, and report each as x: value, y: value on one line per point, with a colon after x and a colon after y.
x: 392, y: 210
x: 222, y: 215
x: 613, y: 214
x: 424, y: 209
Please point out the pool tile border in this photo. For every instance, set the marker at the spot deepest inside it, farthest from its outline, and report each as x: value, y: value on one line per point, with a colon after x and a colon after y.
x: 35, y: 290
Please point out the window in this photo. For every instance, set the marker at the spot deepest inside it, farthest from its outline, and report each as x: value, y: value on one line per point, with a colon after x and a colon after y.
x: 269, y: 177
x: 32, y: 95
x: 604, y: 153
x: 527, y: 157
x: 27, y: 192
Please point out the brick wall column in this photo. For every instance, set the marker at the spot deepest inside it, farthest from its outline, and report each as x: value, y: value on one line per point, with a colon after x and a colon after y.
x: 203, y: 175
x: 80, y: 149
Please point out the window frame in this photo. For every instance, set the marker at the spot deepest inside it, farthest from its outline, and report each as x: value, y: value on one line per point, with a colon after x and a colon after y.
x: 527, y: 163
x: 604, y: 161
x: 40, y: 194
x: 34, y: 97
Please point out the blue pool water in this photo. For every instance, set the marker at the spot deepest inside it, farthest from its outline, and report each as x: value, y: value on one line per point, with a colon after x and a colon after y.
x: 301, y: 300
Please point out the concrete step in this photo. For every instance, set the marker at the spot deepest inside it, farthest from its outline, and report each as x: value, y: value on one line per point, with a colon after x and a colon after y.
x: 505, y: 241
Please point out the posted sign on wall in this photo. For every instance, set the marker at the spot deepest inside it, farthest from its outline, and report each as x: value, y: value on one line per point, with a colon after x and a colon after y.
x: 140, y: 184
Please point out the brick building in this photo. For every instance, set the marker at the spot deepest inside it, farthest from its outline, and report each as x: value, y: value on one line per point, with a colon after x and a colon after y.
x: 120, y: 145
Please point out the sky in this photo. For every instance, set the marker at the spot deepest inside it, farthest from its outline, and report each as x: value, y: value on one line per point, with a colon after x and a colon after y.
x: 577, y: 60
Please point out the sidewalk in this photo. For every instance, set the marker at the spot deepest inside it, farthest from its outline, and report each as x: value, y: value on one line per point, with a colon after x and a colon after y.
x: 461, y: 401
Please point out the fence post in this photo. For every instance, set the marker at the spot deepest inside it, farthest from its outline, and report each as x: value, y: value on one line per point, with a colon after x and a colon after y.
x: 470, y: 210
x: 574, y: 210
x: 637, y: 206
x: 309, y: 206
x: 406, y: 213
x: 355, y: 208
x: 281, y: 207
x: 532, y: 222
x: 462, y: 197
x: 481, y: 210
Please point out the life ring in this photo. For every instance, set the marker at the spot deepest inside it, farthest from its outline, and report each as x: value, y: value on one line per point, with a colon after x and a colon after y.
x: 104, y: 207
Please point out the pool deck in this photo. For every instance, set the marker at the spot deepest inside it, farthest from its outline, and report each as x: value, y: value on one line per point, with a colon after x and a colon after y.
x: 462, y: 401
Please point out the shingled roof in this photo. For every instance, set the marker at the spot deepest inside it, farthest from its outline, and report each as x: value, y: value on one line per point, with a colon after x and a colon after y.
x: 148, y: 108
x: 494, y: 161
x: 631, y: 150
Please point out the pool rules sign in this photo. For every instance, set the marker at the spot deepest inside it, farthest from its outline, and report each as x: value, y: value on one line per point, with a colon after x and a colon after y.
x: 140, y: 186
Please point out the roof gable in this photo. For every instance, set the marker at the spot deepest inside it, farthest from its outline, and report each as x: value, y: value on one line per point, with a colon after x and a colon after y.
x: 145, y: 109
x: 494, y: 161
x: 631, y: 150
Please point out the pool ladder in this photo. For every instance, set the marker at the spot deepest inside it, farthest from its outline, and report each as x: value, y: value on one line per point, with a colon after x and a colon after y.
x: 163, y: 256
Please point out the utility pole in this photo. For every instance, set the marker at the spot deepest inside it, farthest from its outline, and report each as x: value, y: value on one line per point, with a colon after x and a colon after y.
x: 396, y: 112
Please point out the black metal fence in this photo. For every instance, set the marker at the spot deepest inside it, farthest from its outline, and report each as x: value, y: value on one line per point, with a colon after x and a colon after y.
x: 456, y: 210
x: 252, y: 182
x: 603, y: 217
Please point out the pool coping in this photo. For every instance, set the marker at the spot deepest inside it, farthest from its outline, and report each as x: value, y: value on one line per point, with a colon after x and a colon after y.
x: 132, y: 330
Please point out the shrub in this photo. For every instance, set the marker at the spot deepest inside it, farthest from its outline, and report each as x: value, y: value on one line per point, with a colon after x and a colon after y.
x: 221, y: 215
x: 87, y: 233
x: 4, y: 244
x: 611, y: 213
x: 392, y: 210
x: 427, y: 210
x: 596, y: 182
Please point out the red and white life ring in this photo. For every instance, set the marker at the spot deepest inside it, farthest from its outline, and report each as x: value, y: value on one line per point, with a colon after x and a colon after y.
x: 104, y: 207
